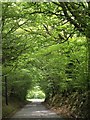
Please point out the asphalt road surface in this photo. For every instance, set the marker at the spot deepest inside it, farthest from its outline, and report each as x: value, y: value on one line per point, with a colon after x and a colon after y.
x: 36, y: 110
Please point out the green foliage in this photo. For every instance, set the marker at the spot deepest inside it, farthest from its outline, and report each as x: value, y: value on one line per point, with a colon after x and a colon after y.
x: 45, y: 44
x: 35, y: 93
x: 19, y: 81
x: 65, y: 69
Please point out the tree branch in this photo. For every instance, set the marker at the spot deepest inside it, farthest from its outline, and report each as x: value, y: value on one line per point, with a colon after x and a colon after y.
x: 77, y: 17
x: 14, y: 28
x: 47, y: 29
x: 69, y: 18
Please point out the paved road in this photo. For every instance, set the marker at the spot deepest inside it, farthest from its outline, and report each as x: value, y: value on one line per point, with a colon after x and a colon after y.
x: 36, y: 110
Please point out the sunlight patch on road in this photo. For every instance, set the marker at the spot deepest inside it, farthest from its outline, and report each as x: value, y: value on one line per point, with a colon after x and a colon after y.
x: 36, y: 100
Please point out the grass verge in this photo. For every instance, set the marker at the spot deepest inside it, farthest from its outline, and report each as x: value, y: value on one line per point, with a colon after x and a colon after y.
x: 13, y: 106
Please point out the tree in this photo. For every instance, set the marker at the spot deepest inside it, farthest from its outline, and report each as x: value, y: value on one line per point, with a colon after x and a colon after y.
x: 78, y: 15
x: 41, y: 37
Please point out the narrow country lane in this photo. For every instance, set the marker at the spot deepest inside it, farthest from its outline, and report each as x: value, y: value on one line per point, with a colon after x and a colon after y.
x: 36, y: 110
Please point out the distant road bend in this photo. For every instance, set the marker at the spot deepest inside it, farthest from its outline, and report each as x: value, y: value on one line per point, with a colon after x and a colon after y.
x: 36, y: 110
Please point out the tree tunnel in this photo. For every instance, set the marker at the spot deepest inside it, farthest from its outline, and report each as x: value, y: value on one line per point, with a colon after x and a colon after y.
x: 45, y: 48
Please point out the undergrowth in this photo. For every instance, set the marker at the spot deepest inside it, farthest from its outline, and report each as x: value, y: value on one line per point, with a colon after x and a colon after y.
x: 13, y: 106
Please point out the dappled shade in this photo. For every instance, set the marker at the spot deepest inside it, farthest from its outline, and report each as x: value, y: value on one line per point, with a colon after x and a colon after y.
x: 47, y: 45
